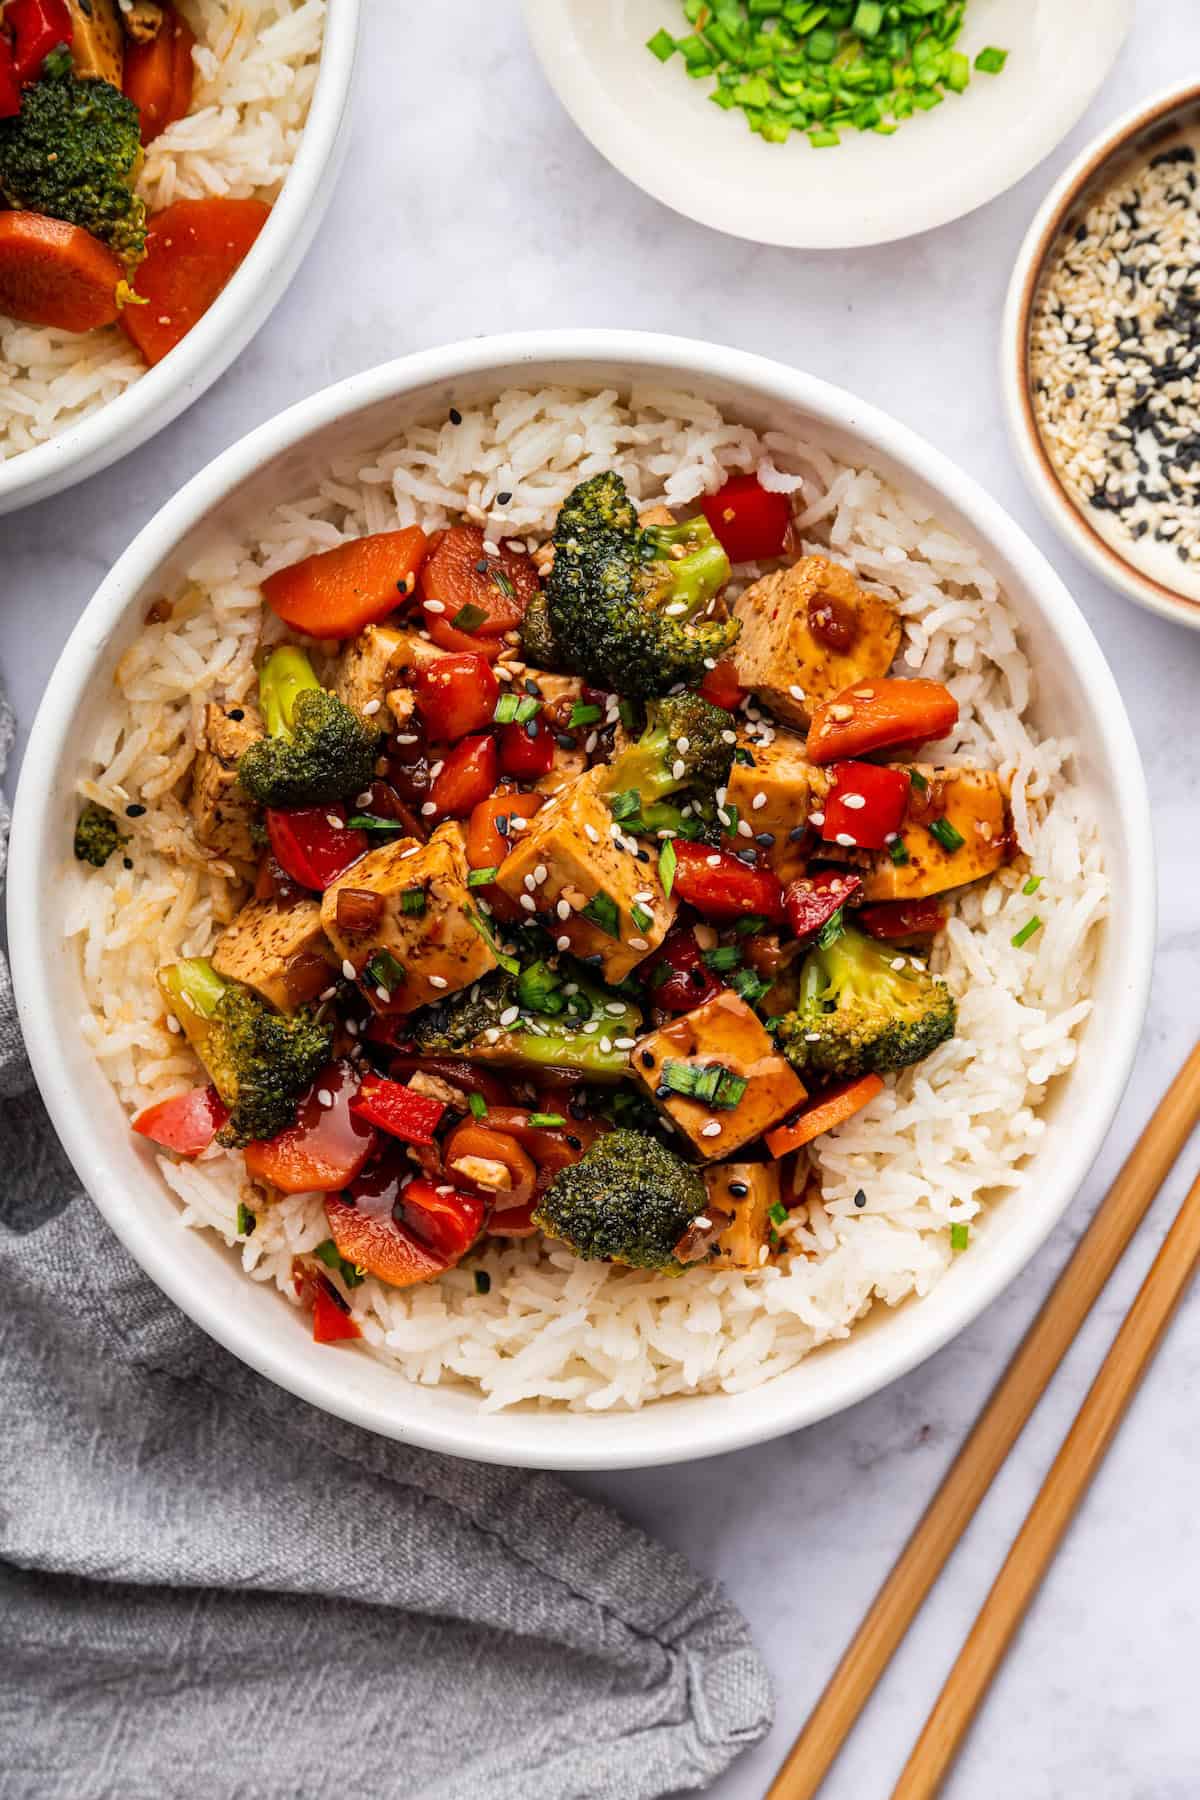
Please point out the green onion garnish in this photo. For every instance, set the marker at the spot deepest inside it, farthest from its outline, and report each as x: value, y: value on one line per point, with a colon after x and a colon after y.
x: 329, y: 1254
x: 508, y: 963
x: 625, y: 805
x: 667, y: 861
x: 662, y: 45
x: 372, y: 822
x: 502, y: 581
x: 1032, y: 885
x: 750, y: 926
x: 777, y: 1213
x: 478, y: 1106
x: 743, y: 756
x: 583, y: 713
x: 1026, y: 932
x: 724, y: 958
x: 832, y: 930
x: 506, y: 709
x: 246, y: 1220
x: 604, y: 913
x: 898, y: 851
x: 383, y: 971
x: 990, y: 61
x: 960, y: 1236
x: 947, y: 835
x: 469, y: 617
x: 749, y: 987
x: 413, y: 902
x: 712, y: 1084
x: 919, y: 781
x: 481, y: 877
x: 547, y: 1121
x: 641, y: 918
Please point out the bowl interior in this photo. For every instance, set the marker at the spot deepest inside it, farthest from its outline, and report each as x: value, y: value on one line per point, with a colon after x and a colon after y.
x: 662, y: 131
x: 1076, y: 697
x: 1152, y: 128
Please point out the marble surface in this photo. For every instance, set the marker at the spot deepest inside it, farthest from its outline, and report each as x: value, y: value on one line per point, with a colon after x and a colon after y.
x: 469, y: 203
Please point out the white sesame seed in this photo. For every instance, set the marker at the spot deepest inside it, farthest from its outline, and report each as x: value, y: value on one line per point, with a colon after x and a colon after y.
x: 436, y: 770
x: 563, y: 909
x: 678, y: 770
x: 638, y: 944
x: 855, y: 802
x: 605, y: 1045
x: 712, y: 1129
x: 434, y: 606
x: 744, y: 829
x: 492, y: 1034
x: 710, y: 662
x: 540, y: 874
x: 675, y: 609
x: 173, y: 1024
x: 515, y: 824
x: 428, y: 809
x: 624, y: 1043
x: 797, y: 693
x: 616, y: 1007
x: 817, y: 818
x: 324, y: 1097
x: 684, y: 745
x: 759, y: 800
x: 349, y: 970
x: 729, y: 737
x: 592, y: 835
x: 528, y: 902
x: 845, y: 840
x: 490, y: 548
x: 372, y: 707
x: 563, y: 943
x: 898, y: 962
x: 528, y: 884
x: 407, y: 737
x: 382, y: 994
x: 333, y: 820
x: 438, y: 981
x: 714, y: 862
x: 510, y: 1015
x: 763, y: 1253
x: 812, y: 1037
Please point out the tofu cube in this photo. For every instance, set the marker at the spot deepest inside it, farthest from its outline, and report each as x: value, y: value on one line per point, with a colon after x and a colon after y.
x: 426, y: 948
x: 568, y: 861
x: 377, y: 661
x: 807, y: 633
x: 723, y: 1031
x: 747, y: 1192
x: 974, y: 802
x: 222, y: 815
x: 279, y: 951
x: 774, y: 792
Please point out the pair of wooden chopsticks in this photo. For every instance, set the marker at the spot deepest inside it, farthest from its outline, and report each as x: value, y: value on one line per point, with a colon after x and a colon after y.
x: 997, y: 1429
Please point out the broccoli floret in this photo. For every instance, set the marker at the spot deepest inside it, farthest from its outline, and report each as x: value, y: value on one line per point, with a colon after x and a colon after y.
x: 537, y: 636
x: 623, y: 601
x: 681, y: 753
x: 858, y: 1015
x: 260, y: 1061
x: 317, y: 750
x: 73, y: 152
x: 96, y: 835
x: 627, y: 1200
x: 554, y: 1008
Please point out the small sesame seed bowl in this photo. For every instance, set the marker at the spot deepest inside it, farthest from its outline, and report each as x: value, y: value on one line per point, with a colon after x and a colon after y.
x: 1101, y: 355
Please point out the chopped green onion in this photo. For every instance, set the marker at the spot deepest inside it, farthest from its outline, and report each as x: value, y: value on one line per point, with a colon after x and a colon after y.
x: 330, y: 1255
x: 500, y: 577
x: 547, y: 1121
x: 832, y: 930
x: 583, y: 713
x: 947, y: 835
x: 539, y: 989
x: 469, y: 617
x: 919, y: 781
x: 724, y: 958
x: 483, y: 1281
x: 413, y: 902
x: 732, y: 815
x: 777, y: 1213
x: 1032, y: 885
x: 667, y: 860
x: 509, y: 964
x: 506, y: 709
x: 372, y: 822
x: 749, y: 987
x: 1026, y: 932
x: 867, y: 19
x: 743, y: 756
x: 478, y: 1106
x: 481, y: 877
x: 750, y: 925
x: 625, y: 805
x: 604, y: 913
x: 246, y: 1220
x: 642, y: 919
x: 990, y: 61
x: 712, y: 1084
x: 383, y: 971
x: 898, y: 851
x: 662, y: 45
x: 960, y: 1237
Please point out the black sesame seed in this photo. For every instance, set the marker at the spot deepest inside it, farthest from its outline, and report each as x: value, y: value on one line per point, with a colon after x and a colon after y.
x: 504, y: 498
x: 134, y: 811
x: 481, y: 567
x: 738, y: 1190
x: 455, y: 416
x: 860, y: 1199
x: 647, y: 1059
x: 237, y: 713
x: 574, y: 1143
x: 127, y: 862
x: 765, y: 838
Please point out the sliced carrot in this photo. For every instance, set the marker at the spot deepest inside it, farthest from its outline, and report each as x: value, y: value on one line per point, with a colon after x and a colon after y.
x: 338, y: 592
x: 833, y: 1107
x: 875, y: 715
x: 193, y: 249
x: 476, y: 592
x: 159, y: 74
x: 381, y: 1246
x: 56, y: 274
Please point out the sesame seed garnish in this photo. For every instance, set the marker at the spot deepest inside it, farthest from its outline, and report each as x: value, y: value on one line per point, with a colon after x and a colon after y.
x: 817, y: 818
x: 898, y: 962
x: 638, y: 944
x: 563, y: 943
x: 528, y: 902
x: 563, y: 909
x: 846, y: 841
x: 434, y: 606
x: 349, y: 970
x: 438, y: 981
x: 510, y: 1015
x: 729, y: 737
x: 540, y: 874
x: 855, y: 802
x: 428, y: 809
x: 797, y: 693
x: 759, y: 800
x: 371, y: 708
x: 712, y: 1129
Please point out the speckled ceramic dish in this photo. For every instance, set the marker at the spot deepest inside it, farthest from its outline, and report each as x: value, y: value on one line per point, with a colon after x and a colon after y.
x: 1147, y: 569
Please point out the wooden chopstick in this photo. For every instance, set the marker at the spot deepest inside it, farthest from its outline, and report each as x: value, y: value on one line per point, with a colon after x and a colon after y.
x: 992, y: 1437
x: 1083, y: 1450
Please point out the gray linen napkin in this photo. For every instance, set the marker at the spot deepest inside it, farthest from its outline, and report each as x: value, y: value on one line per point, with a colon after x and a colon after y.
x: 208, y: 1588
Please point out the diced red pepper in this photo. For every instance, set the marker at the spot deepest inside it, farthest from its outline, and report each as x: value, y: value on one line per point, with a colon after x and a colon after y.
x: 865, y: 806
x: 456, y: 695
x: 447, y: 1223
x: 10, y: 85
x: 460, y: 573
x: 326, y: 1147
x: 446, y: 638
x: 676, y: 976
x: 467, y: 776
x: 524, y: 757
x: 513, y: 1221
x: 309, y: 847
x: 187, y: 1123
x: 721, y: 686
x: 812, y: 900
x: 400, y: 1229
x: 38, y: 27
x: 751, y: 523
x: 722, y: 887
x: 896, y: 921
x: 332, y: 1322
x: 397, y: 1110
x: 159, y: 74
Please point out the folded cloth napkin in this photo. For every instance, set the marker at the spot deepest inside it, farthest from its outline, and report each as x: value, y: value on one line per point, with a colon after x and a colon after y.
x: 207, y: 1588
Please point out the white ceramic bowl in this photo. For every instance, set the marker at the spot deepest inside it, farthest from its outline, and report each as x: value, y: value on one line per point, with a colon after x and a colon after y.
x: 163, y: 392
x: 660, y: 129
x: 283, y: 460
x: 1146, y: 128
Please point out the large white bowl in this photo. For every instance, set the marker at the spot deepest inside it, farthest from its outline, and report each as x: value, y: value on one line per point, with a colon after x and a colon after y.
x: 163, y: 392
x: 284, y: 459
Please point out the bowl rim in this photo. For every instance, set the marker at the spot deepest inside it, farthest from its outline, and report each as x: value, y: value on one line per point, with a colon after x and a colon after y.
x: 1041, y: 475
x: 159, y: 395
x: 525, y: 1438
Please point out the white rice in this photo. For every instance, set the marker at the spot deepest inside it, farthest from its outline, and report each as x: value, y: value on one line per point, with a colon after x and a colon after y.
x: 941, y: 1143
x: 256, y: 67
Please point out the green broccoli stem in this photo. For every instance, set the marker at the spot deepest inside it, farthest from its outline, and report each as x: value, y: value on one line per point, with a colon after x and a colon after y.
x: 696, y: 576
x: 286, y: 674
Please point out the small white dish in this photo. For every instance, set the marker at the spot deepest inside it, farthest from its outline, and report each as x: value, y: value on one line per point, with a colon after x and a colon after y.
x: 164, y: 391
x: 1148, y: 127
x: 659, y: 128
x: 1076, y: 695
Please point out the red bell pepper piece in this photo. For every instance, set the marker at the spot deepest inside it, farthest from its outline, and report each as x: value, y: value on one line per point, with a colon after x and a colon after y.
x: 397, y: 1110
x: 159, y: 75
x: 513, y: 1221
x: 332, y: 1322
x: 526, y: 757
x: 310, y: 848
x: 456, y: 695
x: 403, y: 1230
x: 10, y: 86
x: 447, y: 1223
x: 812, y: 900
x: 676, y: 976
x: 721, y: 686
x: 751, y: 523
x: 38, y: 27
x: 187, y: 1123
x: 896, y: 921
x: 467, y: 776
x: 326, y: 1147
x: 865, y: 806
x: 722, y: 887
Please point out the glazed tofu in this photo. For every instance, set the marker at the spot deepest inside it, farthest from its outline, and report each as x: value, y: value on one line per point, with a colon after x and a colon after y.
x: 97, y: 41
x: 569, y: 861
x: 379, y: 660
x: 222, y: 815
x: 807, y: 633
x: 746, y: 1192
x: 774, y: 788
x: 422, y: 948
x: 974, y: 802
x: 555, y: 689
x: 723, y: 1032
x: 279, y: 951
